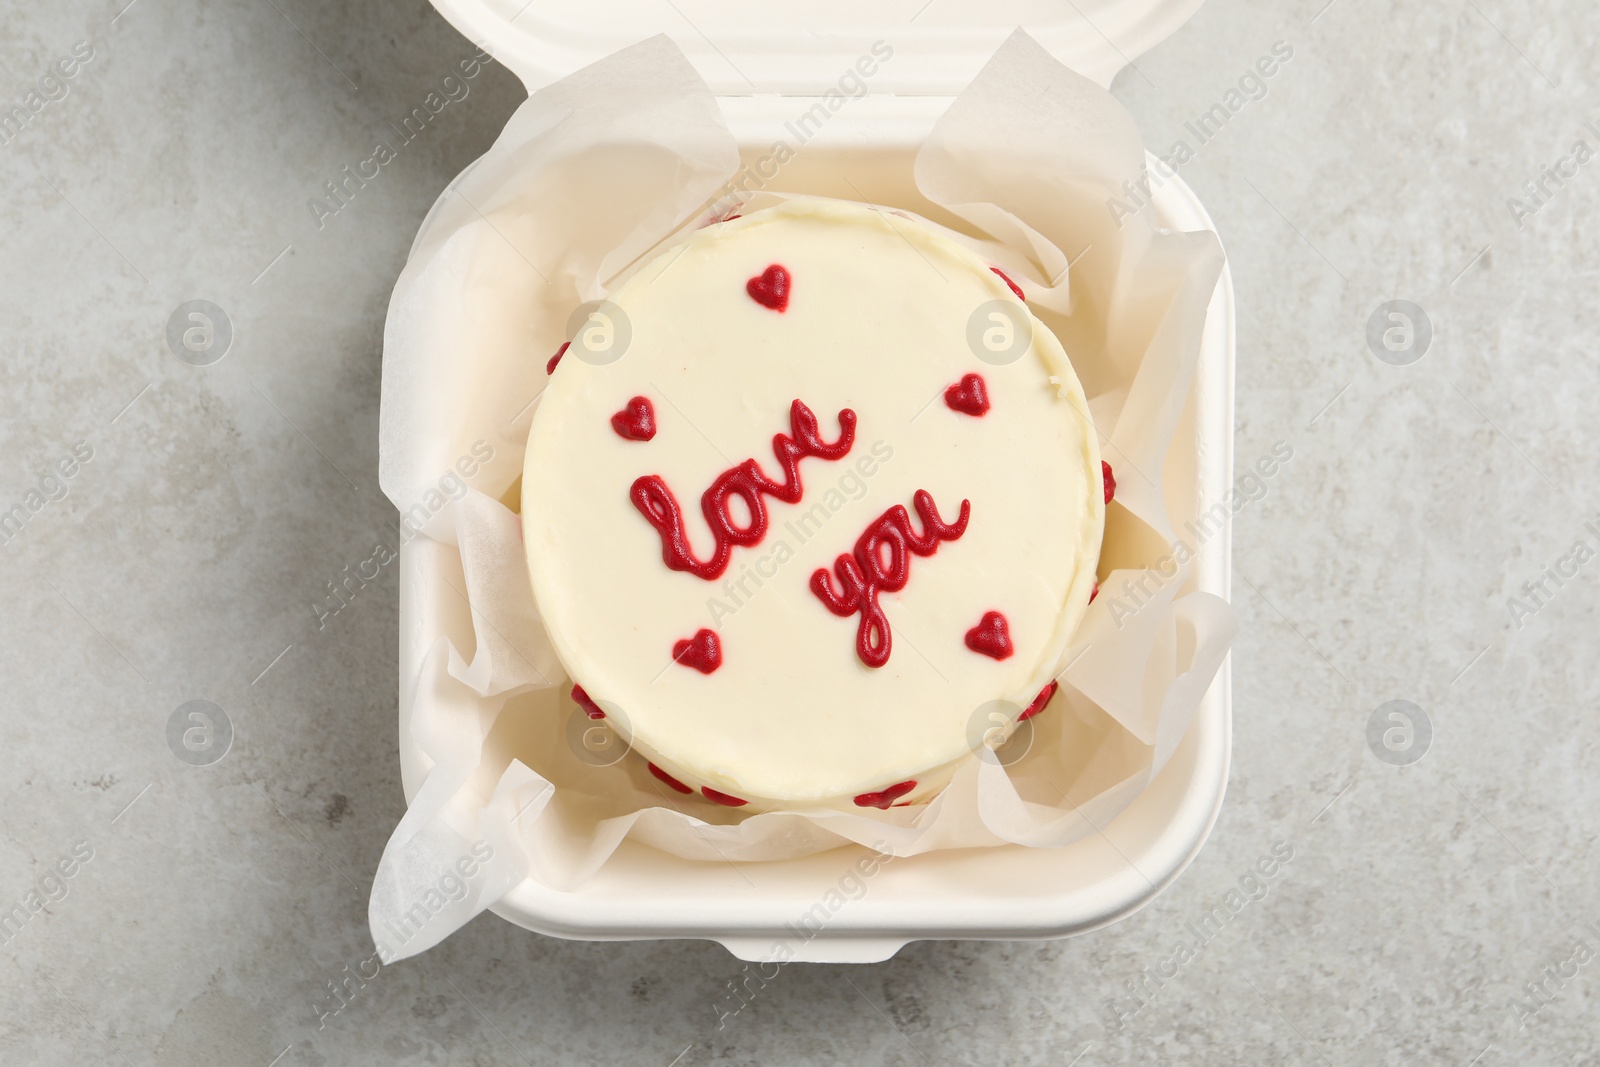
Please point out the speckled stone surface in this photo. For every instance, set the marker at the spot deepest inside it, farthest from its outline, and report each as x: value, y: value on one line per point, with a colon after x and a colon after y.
x: 181, y: 559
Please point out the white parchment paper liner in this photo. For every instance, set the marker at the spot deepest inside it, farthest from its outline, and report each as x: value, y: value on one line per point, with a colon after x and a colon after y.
x: 588, y: 176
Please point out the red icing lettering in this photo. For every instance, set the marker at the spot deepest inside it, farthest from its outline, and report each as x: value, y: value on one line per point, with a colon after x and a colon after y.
x: 968, y: 396
x: 991, y: 637
x: 550, y: 368
x: 667, y: 778
x: 636, y: 421
x: 770, y: 288
x: 881, y: 563
x: 1108, y: 480
x: 722, y: 798
x: 885, y: 797
x: 1039, y: 702
x: 590, y: 708
x: 745, y: 481
x: 1006, y: 278
x: 703, y: 651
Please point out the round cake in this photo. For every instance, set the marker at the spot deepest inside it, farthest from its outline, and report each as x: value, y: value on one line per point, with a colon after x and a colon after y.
x: 806, y: 502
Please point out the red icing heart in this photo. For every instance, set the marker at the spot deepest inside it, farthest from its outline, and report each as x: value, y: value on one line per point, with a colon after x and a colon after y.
x: 636, y: 421
x: 703, y: 652
x: 968, y: 396
x: 550, y: 368
x: 886, y: 797
x: 722, y: 798
x: 590, y: 708
x: 770, y: 288
x: 1012, y: 284
x: 665, y: 777
x: 992, y: 636
x: 1108, y: 480
x: 1039, y: 702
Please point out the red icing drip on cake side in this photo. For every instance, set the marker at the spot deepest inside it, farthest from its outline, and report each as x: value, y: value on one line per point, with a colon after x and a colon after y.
x: 590, y: 708
x: 725, y: 799
x: 550, y: 367
x: 863, y: 575
x: 885, y: 797
x: 746, y: 481
x: 667, y: 778
x: 1039, y: 702
x: 1013, y: 285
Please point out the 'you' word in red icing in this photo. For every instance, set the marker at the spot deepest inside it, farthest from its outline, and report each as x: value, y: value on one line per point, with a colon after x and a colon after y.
x: 748, y: 483
x: 881, y: 564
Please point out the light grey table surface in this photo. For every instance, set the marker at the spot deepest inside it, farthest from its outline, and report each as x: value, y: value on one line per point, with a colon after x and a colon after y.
x: 184, y: 558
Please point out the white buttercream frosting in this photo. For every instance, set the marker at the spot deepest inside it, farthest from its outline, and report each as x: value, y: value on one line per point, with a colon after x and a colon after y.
x: 884, y: 313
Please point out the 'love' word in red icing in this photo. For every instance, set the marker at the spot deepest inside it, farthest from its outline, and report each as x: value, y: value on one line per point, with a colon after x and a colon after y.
x: 745, y: 481
x: 881, y: 564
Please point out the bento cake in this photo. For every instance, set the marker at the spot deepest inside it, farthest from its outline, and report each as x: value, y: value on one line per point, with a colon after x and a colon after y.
x: 819, y: 494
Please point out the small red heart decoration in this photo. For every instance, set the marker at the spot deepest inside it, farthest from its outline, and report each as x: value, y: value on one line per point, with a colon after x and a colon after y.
x: 1039, y: 702
x: 770, y: 288
x: 703, y: 652
x: 1108, y: 480
x: 636, y: 421
x: 550, y: 368
x: 725, y: 799
x: 665, y: 777
x: 992, y: 636
x: 590, y: 708
x: 968, y: 396
x: 886, y: 797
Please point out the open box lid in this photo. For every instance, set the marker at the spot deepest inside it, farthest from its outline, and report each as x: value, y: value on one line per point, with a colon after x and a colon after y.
x: 800, y: 49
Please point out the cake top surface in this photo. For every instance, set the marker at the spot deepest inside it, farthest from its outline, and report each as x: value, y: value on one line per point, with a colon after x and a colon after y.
x: 810, y: 492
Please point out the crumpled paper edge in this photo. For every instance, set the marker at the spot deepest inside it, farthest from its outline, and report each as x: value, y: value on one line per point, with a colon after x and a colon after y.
x: 525, y: 828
